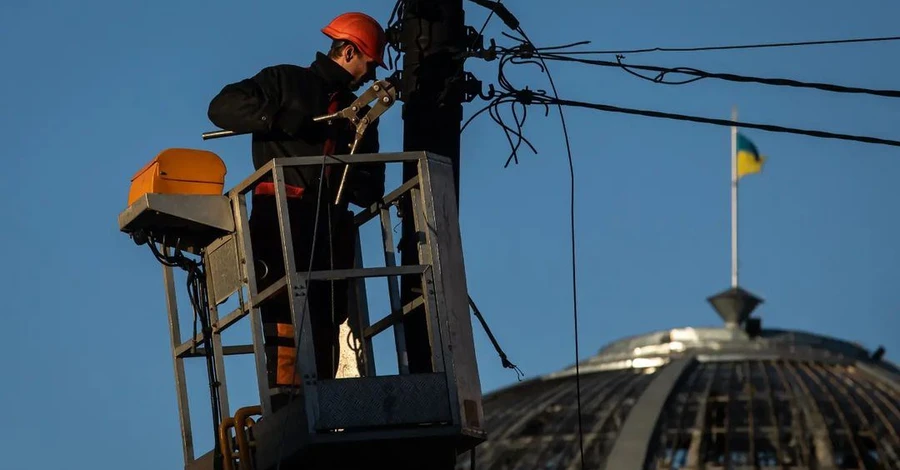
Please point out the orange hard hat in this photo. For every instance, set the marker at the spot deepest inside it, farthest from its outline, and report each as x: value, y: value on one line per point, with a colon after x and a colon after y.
x: 362, y: 30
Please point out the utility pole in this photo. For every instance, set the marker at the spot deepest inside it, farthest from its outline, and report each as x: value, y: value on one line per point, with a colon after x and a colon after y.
x: 432, y: 38
x: 433, y: 34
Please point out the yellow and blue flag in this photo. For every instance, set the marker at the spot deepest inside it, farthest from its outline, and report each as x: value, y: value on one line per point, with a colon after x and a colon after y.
x: 748, y: 157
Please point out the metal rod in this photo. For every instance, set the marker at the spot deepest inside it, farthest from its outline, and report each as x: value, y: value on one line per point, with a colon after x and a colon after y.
x: 338, y: 274
x: 773, y: 417
x: 237, y: 350
x: 697, y: 448
x: 879, y: 442
x: 225, y: 443
x: 611, y: 399
x: 235, y: 316
x: 390, y: 261
x: 728, y: 399
x: 248, y: 271
x: 340, y: 191
x: 839, y: 411
x: 392, y: 319
x: 433, y: 342
x: 372, y: 211
x: 241, y: 418
x: 823, y: 435
x: 250, y: 182
x: 362, y: 311
x: 221, y: 133
x: 801, y: 424
x: 734, y: 202
x: 751, y: 444
x: 269, y: 292
x: 395, y: 157
x: 297, y: 292
x: 184, y: 411
x: 682, y: 428
x: 864, y: 390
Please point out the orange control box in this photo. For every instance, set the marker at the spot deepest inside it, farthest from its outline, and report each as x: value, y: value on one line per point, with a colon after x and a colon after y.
x: 179, y: 171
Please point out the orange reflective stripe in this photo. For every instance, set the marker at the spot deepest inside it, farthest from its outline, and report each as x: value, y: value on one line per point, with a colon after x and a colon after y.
x: 268, y: 189
x: 285, y: 370
x: 285, y: 330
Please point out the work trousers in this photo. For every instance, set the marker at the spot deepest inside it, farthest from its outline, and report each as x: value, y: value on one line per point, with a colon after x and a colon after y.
x: 327, y: 300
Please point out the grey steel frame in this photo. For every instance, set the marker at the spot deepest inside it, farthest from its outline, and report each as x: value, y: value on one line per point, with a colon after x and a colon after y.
x: 450, y: 396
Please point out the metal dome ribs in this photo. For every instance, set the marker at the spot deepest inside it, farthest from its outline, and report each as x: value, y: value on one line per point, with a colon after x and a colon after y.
x: 706, y: 398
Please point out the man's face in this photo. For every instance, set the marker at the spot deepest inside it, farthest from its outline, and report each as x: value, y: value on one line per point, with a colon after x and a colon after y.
x: 359, y: 65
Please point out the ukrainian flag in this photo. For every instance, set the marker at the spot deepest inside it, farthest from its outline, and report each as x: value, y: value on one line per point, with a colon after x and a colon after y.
x: 748, y: 158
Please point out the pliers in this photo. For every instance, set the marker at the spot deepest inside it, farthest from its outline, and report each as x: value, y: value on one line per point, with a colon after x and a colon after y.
x: 384, y: 94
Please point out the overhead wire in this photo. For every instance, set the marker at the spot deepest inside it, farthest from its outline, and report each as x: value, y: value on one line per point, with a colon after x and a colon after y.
x: 727, y: 123
x: 526, y: 53
x: 736, y: 47
x: 573, y: 245
x: 525, y: 97
x: 492, y: 108
x: 396, y: 18
x: 503, y: 358
x: 701, y: 74
x: 530, y: 97
x: 499, y: 10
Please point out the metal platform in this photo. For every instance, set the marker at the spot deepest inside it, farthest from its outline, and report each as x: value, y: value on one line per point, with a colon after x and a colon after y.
x: 439, y: 410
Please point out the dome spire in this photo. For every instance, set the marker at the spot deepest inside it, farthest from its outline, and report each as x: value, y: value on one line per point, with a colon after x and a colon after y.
x: 734, y: 305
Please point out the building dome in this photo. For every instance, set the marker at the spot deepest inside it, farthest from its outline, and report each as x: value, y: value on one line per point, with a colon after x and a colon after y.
x: 708, y: 398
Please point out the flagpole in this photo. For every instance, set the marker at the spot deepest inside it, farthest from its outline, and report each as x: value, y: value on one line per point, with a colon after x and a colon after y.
x: 734, y: 201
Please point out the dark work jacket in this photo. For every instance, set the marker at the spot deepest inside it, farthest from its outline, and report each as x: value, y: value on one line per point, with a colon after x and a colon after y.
x: 277, y: 106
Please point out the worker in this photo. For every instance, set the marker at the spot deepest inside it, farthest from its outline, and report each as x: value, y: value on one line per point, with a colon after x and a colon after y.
x: 277, y: 106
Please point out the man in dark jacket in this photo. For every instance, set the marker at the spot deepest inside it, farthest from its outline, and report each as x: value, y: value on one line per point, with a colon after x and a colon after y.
x: 277, y: 106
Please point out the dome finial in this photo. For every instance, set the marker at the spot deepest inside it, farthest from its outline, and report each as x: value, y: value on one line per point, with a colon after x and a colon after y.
x: 734, y: 305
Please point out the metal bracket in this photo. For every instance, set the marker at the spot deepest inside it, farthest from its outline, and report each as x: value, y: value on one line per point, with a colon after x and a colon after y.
x: 467, y: 86
x: 396, y: 79
x: 471, y: 87
x: 393, y: 36
x: 474, y: 40
x: 475, y: 46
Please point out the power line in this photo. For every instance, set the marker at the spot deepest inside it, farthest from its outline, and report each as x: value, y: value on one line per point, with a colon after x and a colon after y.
x: 513, y: 96
x: 510, y: 20
x: 700, y: 74
x: 725, y: 122
x: 572, y: 233
x: 531, y: 97
x: 504, y: 360
x: 735, y: 47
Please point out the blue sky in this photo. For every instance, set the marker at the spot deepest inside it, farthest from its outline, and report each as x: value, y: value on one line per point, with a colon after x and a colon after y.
x: 93, y: 90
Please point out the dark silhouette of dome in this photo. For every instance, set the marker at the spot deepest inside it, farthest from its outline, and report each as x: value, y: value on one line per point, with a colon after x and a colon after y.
x: 692, y: 398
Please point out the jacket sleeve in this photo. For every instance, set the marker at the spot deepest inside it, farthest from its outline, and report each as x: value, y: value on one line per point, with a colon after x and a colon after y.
x: 366, y: 180
x: 256, y: 105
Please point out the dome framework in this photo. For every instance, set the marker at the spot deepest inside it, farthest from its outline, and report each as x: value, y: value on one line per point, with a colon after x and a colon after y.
x: 705, y: 398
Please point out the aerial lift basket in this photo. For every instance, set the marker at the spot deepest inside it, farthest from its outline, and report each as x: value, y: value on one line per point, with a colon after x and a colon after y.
x: 178, y: 206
